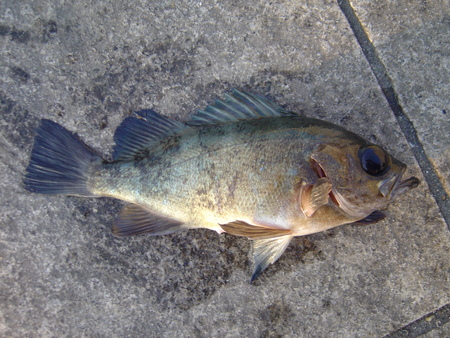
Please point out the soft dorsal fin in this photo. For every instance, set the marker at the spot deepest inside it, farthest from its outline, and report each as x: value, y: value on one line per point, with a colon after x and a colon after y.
x: 138, y: 133
x: 241, y: 228
x: 237, y: 106
x: 136, y: 220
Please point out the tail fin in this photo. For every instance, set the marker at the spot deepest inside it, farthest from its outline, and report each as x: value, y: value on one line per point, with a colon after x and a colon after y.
x: 59, y: 162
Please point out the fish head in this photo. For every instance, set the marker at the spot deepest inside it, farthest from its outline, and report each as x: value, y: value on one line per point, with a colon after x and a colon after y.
x: 364, y: 177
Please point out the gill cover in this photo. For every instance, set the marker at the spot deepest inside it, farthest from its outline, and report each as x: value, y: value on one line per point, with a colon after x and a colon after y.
x: 363, y: 176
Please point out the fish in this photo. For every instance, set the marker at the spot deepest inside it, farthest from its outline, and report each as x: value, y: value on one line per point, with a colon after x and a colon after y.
x: 243, y: 165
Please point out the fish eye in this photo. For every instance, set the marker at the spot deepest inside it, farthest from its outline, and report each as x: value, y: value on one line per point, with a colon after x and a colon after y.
x: 374, y: 160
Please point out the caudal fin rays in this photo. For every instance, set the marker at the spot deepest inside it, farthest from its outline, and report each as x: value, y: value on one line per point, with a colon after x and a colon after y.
x: 59, y: 162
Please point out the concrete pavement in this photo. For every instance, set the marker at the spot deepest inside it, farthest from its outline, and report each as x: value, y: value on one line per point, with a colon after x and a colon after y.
x: 87, y: 65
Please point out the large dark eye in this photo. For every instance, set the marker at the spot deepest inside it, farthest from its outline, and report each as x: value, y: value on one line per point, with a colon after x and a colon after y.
x: 374, y: 160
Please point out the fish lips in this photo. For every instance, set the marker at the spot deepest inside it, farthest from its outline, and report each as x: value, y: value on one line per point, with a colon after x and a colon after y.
x: 393, y: 187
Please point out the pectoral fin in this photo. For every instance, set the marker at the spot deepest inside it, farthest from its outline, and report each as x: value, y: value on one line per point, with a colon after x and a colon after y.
x: 241, y: 228
x: 266, y: 252
x: 314, y: 196
x: 136, y: 220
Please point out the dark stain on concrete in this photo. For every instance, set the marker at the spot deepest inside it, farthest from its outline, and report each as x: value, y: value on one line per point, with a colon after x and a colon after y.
x: 19, y: 74
x: 276, y: 317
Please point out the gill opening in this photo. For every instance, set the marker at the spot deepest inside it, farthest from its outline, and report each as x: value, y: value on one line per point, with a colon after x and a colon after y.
x: 320, y: 172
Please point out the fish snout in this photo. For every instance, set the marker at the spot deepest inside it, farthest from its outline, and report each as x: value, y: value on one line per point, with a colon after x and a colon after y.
x: 405, y: 186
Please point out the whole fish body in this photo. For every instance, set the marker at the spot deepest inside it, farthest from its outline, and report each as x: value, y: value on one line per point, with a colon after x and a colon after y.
x: 243, y: 165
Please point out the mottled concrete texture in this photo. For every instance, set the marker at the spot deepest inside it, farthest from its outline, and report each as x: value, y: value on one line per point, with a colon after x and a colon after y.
x: 87, y: 64
x: 441, y: 332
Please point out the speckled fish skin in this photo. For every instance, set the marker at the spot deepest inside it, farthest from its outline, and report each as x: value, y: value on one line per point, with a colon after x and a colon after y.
x: 243, y: 166
x: 248, y: 171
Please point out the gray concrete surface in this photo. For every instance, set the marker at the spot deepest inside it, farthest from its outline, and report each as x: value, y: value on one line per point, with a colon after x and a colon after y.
x: 86, y: 65
x: 413, y: 41
x: 441, y: 332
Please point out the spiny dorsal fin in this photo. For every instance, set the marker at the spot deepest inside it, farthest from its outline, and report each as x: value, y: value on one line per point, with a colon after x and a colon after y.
x: 140, y: 132
x: 136, y: 220
x: 237, y: 106
x: 266, y: 252
x: 241, y: 228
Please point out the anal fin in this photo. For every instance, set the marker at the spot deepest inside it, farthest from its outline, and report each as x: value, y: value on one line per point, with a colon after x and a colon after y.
x: 241, y: 228
x: 314, y: 196
x: 135, y: 220
x: 266, y: 252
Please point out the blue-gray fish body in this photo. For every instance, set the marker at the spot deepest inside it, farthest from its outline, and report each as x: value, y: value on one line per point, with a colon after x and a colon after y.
x: 243, y: 166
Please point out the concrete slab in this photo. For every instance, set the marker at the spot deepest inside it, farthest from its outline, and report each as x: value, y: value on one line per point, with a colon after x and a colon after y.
x: 412, y: 40
x: 85, y: 66
x: 441, y: 332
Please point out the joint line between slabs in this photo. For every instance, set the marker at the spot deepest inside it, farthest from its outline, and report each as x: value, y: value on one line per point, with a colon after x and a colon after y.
x: 385, y: 82
x: 425, y: 324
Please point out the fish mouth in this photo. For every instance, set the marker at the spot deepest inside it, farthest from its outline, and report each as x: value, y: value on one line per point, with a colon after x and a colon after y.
x: 393, y: 187
x: 405, y: 186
